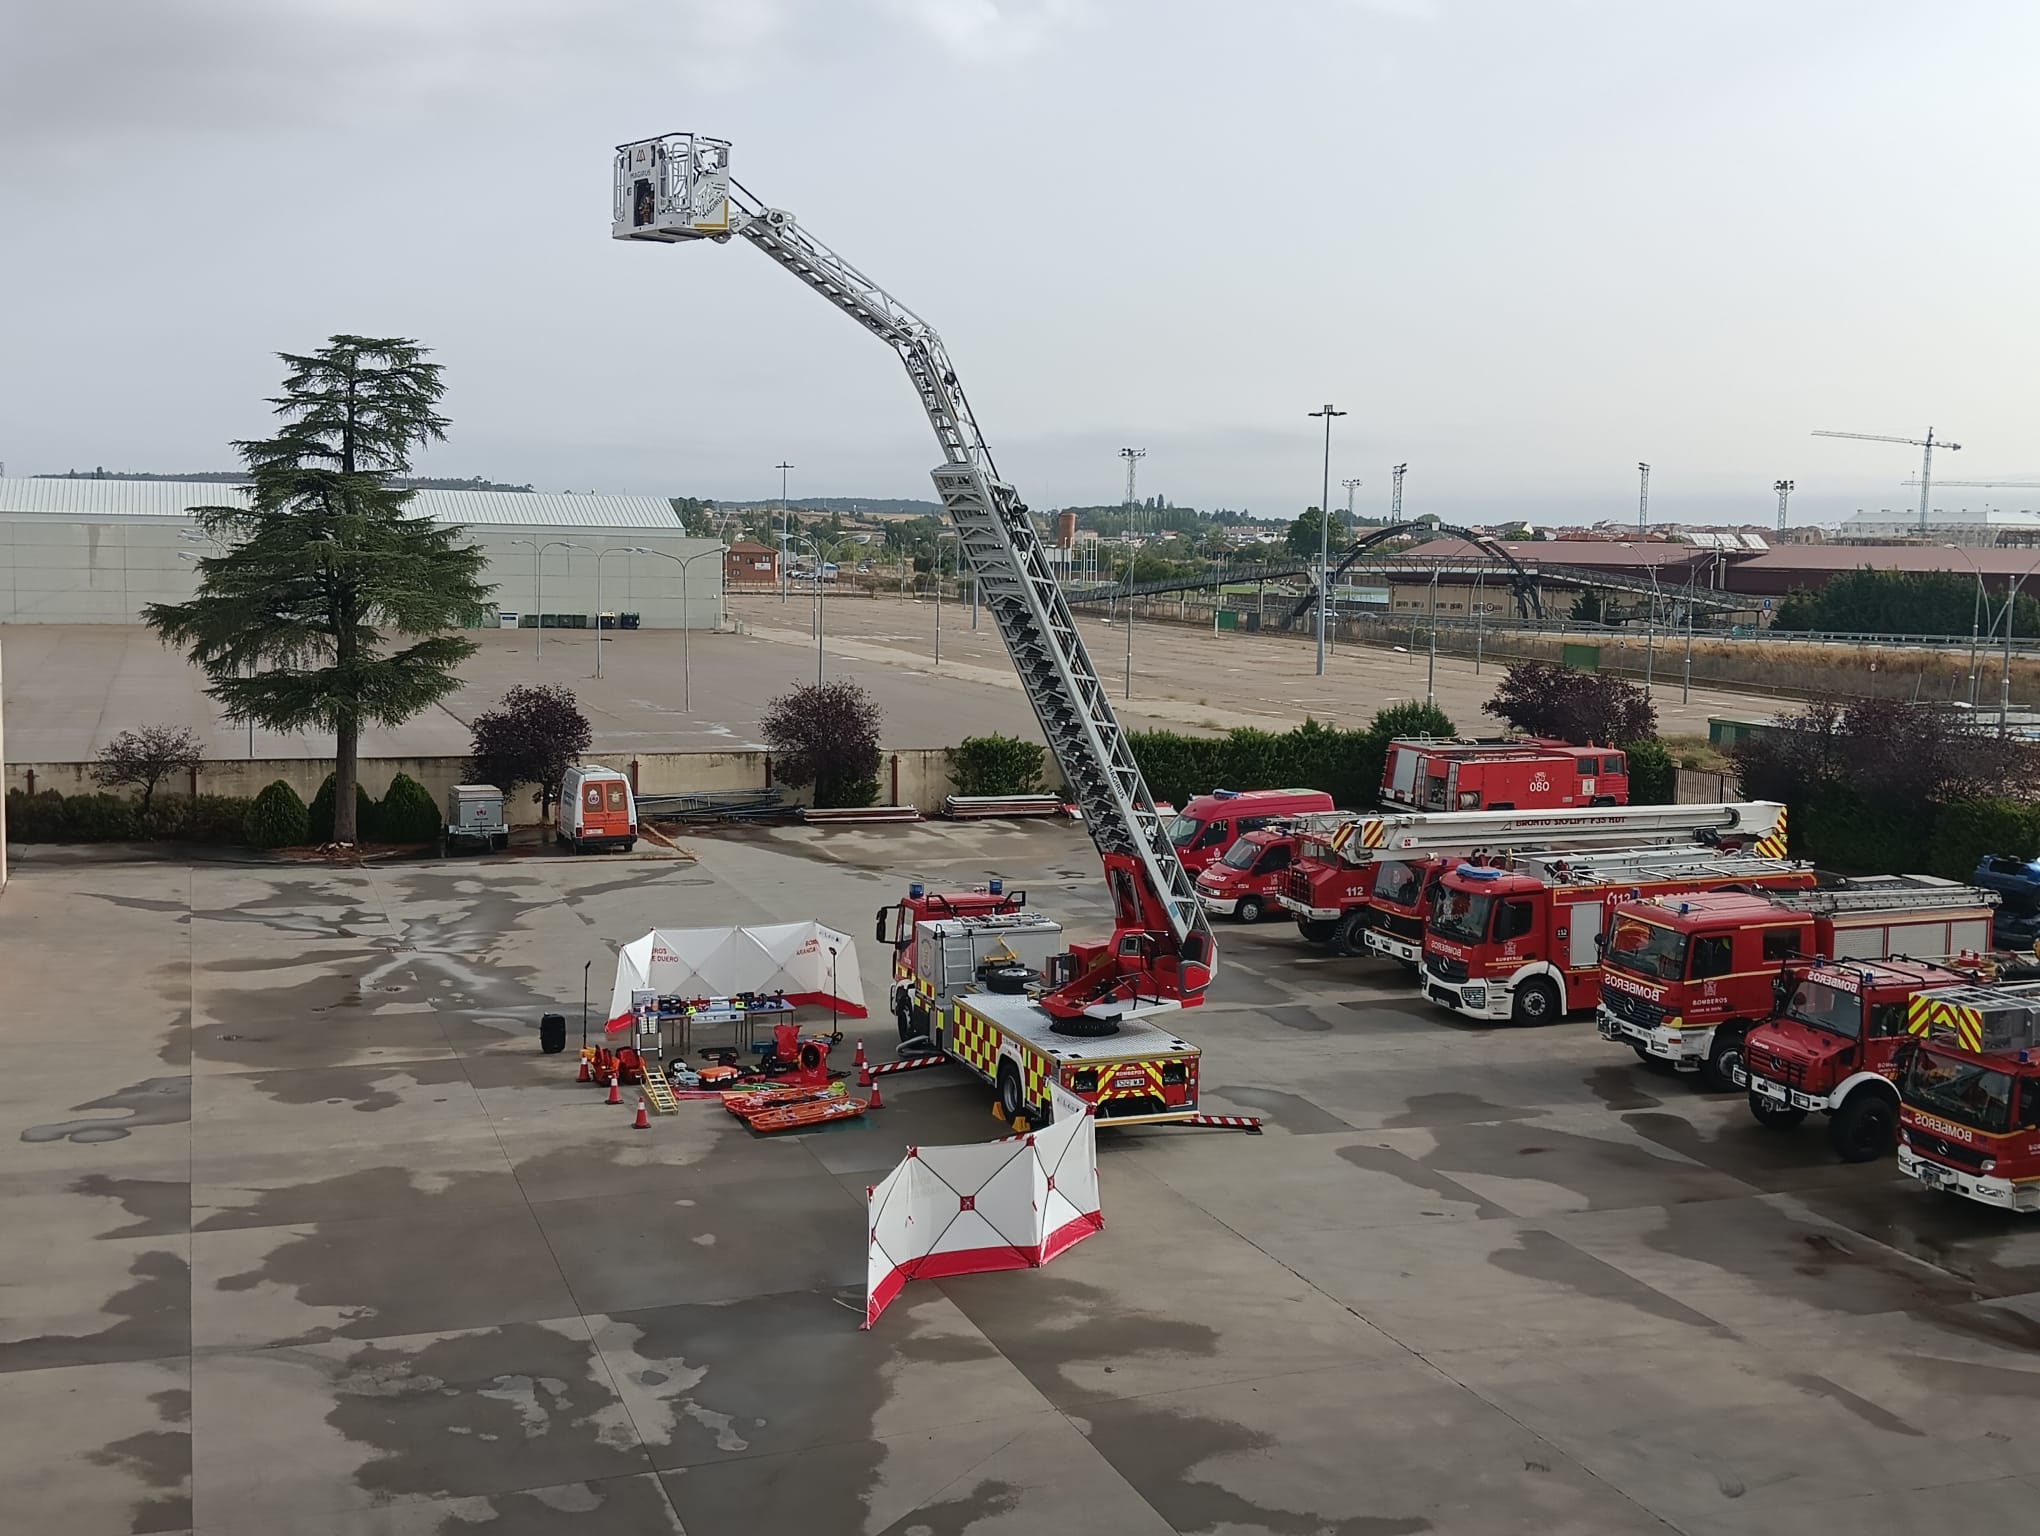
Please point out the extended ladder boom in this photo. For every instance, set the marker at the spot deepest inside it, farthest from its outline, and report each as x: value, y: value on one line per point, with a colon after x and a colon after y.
x: 678, y: 188
x: 1758, y: 824
x: 1886, y: 896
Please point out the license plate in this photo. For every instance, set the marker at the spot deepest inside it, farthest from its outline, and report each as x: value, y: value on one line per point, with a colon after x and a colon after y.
x: 1769, y: 1090
x: 1929, y: 1174
x: 1610, y: 1030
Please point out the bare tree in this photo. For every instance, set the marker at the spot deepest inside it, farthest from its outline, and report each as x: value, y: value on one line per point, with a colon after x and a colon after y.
x: 147, y: 757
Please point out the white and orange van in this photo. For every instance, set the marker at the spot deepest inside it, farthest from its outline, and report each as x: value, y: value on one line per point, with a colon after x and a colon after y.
x: 597, y: 809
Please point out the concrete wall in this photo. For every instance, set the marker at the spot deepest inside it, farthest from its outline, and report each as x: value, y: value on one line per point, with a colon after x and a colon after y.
x: 58, y: 570
x: 910, y: 776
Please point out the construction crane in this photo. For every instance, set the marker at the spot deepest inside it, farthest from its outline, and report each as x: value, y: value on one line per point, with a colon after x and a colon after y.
x: 678, y: 188
x: 1926, y: 443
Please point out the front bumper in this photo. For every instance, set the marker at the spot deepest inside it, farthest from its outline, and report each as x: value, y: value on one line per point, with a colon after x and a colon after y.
x: 1772, y: 1091
x: 1302, y: 909
x: 1685, y: 1046
x: 1218, y: 906
x: 1388, y: 945
x: 1981, y: 1187
x: 1475, y: 999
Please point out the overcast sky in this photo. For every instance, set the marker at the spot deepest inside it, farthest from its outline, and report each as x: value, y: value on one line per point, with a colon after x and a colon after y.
x: 1525, y: 243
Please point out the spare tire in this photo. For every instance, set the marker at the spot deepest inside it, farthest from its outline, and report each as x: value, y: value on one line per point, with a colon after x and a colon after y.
x: 1009, y: 977
x: 1084, y: 1027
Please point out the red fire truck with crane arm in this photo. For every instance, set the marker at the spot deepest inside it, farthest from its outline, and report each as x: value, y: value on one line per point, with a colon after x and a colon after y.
x: 1835, y: 1049
x: 1683, y: 978
x: 1332, y: 879
x: 1969, y: 1094
x: 677, y: 188
x: 1520, y: 939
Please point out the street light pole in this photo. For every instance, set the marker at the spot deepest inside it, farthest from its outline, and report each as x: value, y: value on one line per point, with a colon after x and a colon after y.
x: 614, y: 549
x: 785, y: 525
x: 1431, y: 670
x: 1650, y: 632
x: 683, y: 561
x: 1324, y: 533
x: 538, y: 586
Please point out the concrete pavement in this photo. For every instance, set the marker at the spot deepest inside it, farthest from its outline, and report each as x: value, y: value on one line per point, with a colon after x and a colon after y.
x: 305, y: 1235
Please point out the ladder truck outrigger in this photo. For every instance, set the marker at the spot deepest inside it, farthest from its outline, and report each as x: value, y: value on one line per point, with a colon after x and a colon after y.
x: 677, y: 188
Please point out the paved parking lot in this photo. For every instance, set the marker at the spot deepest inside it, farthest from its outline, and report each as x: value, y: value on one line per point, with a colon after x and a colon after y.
x: 304, y: 1235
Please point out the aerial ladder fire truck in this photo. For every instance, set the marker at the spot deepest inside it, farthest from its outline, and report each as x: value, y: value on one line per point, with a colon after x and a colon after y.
x: 1344, y: 859
x: 677, y: 188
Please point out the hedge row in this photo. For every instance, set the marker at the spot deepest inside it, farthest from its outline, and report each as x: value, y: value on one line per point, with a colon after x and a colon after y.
x: 276, y: 818
x: 1843, y: 833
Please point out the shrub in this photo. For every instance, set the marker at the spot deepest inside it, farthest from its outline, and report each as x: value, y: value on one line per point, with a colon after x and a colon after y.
x: 1346, y: 764
x: 278, y: 818
x: 995, y: 765
x: 146, y: 757
x: 408, y: 814
x: 319, y: 814
x: 36, y: 818
x: 1584, y: 708
x: 1966, y: 830
x: 825, y: 734
x: 533, y: 736
x: 1653, y: 780
x: 50, y: 817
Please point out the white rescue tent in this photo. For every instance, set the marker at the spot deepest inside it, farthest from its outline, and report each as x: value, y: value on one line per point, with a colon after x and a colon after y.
x: 811, y: 963
x: 1011, y: 1204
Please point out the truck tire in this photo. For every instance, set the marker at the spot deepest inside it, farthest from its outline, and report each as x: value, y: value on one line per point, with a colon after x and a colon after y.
x: 1008, y: 979
x: 1865, y: 1128
x: 1315, y: 931
x: 1725, y: 1054
x: 1012, y: 1099
x: 1774, y: 1117
x: 1249, y: 910
x: 1536, y: 1002
x: 1350, y: 937
x: 903, y: 1015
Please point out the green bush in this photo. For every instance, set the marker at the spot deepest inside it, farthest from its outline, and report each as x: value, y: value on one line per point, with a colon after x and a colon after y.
x: 995, y: 765
x: 278, y: 818
x: 845, y: 794
x: 1653, y: 779
x: 1346, y: 764
x: 1966, y: 830
x: 367, y: 814
x: 407, y: 813
x: 36, y: 818
x: 50, y: 817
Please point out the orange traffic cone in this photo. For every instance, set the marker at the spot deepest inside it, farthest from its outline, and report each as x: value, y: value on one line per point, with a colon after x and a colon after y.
x: 863, y: 1066
x: 586, y: 1076
x: 644, y: 1119
x: 614, y: 1096
x: 876, y: 1102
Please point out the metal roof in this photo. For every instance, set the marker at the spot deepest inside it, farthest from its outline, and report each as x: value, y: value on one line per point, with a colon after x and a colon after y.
x: 93, y: 499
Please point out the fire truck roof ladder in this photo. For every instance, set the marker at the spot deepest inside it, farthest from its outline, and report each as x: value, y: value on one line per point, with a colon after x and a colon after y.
x: 1364, y: 839
x: 1885, y: 898
x: 677, y: 188
x: 1611, y: 866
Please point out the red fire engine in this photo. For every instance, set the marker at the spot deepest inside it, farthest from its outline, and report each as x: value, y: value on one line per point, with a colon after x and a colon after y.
x: 1247, y: 883
x: 1969, y: 1094
x: 1332, y: 881
x: 1429, y: 774
x: 1835, y: 1051
x: 1523, y: 942
x: 1684, y: 977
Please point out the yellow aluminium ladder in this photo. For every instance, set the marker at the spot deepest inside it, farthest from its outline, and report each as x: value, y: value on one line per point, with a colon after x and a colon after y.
x: 659, y: 1092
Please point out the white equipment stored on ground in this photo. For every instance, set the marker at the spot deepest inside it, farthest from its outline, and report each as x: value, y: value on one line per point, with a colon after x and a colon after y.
x: 678, y: 188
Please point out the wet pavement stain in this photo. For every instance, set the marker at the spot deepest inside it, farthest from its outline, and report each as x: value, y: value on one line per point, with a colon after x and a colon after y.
x: 385, y: 1193
x: 1291, y: 1112
x: 1433, y: 1109
x: 1298, y: 1017
x: 627, y: 1506
x: 1620, y: 1087
x: 1396, y: 1165
x: 1962, y: 1380
x: 955, y: 1516
x: 498, y: 1409
x: 1156, y: 1450
x: 1870, y: 1413
x: 160, y: 1459
x: 160, y: 1207
x: 153, y: 1101
x: 152, y: 1321
x: 362, y: 1088
x: 1550, y: 1260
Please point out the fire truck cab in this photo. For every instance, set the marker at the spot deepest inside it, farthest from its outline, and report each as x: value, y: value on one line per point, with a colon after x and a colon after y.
x: 1523, y: 942
x: 1969, y: 1094
x: 1684, y: 977
x: 1246, y: 883
x: 899, y: 925
x: 1835, y: 1050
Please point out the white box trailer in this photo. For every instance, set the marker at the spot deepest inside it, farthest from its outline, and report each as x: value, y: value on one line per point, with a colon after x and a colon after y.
x: 474, y: 817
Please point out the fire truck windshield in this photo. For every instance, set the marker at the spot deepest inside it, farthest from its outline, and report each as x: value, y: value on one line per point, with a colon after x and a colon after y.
x: 1396, y: 884
x: 1967, y: 1092
x: 1241, y: 855
x: 1839, y: 1013
x: 1183, y: 830
x: 1460, y: 915
x: 1646, y: 949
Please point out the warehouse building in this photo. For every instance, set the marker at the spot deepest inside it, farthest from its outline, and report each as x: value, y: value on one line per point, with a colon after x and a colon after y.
x: 96, y: 551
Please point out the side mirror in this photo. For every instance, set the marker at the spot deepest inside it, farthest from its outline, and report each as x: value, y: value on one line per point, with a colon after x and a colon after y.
x: 1600, y: 941
x: 880, y: 933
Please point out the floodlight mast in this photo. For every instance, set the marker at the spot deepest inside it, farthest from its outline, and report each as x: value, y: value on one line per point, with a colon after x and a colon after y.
x: 678, y: 188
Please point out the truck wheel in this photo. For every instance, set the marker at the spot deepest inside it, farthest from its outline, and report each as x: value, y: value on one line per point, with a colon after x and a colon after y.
x: 1249, y: 909
x: 1865, y: 1128
x: 1009, y: 978
x: 1350, y: 937
x: 1536, y: 1002
x: 1010, y: 1097
x: 903, y: 1015
x: 1314, y: 931
x: 1772, y: 1116
x: 1723, y: 1057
